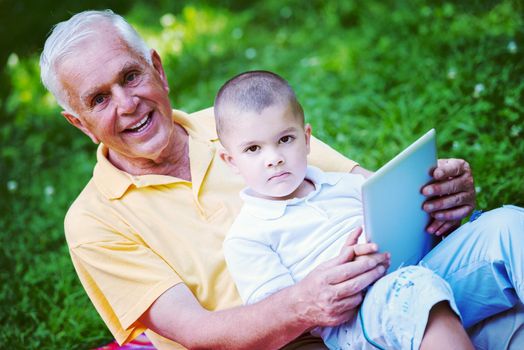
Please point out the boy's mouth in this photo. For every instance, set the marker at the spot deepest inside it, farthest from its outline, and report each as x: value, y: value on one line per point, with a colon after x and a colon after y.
x: 280, y: 175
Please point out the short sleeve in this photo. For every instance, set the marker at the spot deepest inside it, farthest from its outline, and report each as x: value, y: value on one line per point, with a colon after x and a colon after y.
x: 122, y: 277
x: 327, y: 159
x: 256, y: 269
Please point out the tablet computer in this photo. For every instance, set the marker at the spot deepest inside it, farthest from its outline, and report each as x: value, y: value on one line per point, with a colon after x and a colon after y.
x: 392, y: 203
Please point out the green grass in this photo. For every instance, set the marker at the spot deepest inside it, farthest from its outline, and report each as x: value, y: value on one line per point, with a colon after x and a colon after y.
x: 372, y: 76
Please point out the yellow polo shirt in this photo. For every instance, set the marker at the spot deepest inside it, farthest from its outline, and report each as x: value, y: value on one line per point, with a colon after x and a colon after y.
x: 133, y: 237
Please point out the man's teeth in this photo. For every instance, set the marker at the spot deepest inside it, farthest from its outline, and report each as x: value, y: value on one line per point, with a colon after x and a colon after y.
x: 140, y: 123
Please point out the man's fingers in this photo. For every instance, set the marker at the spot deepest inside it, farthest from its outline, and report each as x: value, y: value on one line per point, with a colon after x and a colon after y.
x: 353, y: 236
x: 365, y: 249
x: 347, y: 253
x: 352, y: 269
x: 358, y: 283
x: 450, y: 168
x: 440, y: 228
x: 434, y: 226
x: 452, y: 201
x: 462, y: 183
x: 453, y: 214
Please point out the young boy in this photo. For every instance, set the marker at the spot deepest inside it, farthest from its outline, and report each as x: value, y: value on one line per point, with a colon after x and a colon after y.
x: 295, y: 217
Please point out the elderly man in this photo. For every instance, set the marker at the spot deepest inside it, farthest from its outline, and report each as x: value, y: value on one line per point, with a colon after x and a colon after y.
x: 145, y: 234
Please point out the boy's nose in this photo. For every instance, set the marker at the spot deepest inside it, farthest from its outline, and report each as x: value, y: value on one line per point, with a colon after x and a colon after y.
x: 274, y: 159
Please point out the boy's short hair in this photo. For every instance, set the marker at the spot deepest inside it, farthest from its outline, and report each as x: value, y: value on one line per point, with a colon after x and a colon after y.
x: 253, y: 91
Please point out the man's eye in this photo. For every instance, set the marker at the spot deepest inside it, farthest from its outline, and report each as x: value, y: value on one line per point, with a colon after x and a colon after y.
x: 252, y: 149
x: 131, y: 77
x: 98, y: 99
x: 286, y: 139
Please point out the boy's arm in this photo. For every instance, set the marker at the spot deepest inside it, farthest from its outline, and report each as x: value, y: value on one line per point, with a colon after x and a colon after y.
x: 257, y: 269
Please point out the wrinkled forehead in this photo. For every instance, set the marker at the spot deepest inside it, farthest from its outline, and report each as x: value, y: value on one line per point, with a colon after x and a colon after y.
x: 95, y: 61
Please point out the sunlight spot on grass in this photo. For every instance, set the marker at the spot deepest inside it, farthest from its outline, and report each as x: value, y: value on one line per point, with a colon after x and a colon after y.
x: 12, y: 60
x: 478, y: 90
x: 237, y: 33
x: 515, y: 130
x: 286, y: 12
x: 512, y: 47
x: 12, y: 185
x: 250, y: 53
x: 452, y: 73
x: 310, y: 61
x: 49, y: 191
x: 167, y: 20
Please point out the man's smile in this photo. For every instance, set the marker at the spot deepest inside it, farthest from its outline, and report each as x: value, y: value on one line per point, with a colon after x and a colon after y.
x: 141, y: 125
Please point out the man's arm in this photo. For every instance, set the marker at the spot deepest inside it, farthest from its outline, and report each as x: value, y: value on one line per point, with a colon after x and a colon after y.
x: 328, y: 296
x: 451, y: 195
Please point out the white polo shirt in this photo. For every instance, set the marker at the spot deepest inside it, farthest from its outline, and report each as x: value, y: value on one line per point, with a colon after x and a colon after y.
x: 274, y: 244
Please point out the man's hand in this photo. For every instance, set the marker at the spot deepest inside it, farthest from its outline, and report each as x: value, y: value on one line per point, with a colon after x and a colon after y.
x: 451, y: 195
x: 332, y: 292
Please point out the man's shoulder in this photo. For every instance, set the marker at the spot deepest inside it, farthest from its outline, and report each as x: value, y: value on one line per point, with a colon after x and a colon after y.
x: 205, y: 119
x: 86, y: 211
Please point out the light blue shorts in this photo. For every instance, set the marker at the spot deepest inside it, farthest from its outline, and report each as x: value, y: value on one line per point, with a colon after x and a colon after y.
x: 394, y: 312
x: 483, y: 261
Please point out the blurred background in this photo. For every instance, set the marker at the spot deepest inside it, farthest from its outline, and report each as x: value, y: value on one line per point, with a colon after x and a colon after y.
x: 372, y: 77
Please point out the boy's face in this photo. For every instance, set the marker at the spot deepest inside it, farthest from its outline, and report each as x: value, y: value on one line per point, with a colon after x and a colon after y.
x: 269, y: 150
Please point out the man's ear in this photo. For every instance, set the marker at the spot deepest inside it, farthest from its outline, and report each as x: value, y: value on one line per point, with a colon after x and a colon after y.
x: 157, y: 65
x: 77, y: 123
x: 228, y: 159
x: 307, y: 134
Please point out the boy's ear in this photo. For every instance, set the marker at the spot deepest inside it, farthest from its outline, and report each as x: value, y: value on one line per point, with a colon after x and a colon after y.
x: 307, y: 134
x: 228, y: 159
x: 77, y: 123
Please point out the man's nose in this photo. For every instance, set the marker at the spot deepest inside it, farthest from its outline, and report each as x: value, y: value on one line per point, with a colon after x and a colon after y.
x: 274, y: 158
x: 126, y: 102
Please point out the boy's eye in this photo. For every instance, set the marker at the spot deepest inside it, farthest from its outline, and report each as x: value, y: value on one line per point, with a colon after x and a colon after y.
x: 252, y: 149
x: 286, y: 139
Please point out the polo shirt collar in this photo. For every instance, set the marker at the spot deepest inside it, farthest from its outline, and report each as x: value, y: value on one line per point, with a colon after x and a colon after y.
x: 113, y: 183
x: 267, y: 209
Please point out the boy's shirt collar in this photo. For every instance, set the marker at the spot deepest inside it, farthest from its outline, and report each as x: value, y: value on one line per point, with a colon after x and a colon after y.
x: 267, y: 209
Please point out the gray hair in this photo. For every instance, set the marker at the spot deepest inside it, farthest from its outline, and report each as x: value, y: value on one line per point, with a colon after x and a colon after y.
x: 65, y: 38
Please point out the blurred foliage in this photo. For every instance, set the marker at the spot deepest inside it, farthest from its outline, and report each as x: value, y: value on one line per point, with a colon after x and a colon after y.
x: 372, y: 76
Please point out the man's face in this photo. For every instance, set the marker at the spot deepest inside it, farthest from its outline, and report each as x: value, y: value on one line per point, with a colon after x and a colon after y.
x: 119, y: 98
x: 269, y: 150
